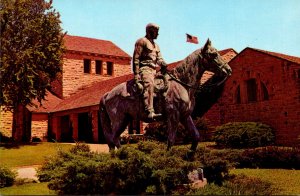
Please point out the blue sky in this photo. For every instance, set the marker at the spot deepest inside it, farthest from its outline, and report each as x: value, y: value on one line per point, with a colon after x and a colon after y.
x: 272, y: 25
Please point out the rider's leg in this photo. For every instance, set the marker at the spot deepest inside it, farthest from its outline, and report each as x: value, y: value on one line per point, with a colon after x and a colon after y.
x: 147, y: 76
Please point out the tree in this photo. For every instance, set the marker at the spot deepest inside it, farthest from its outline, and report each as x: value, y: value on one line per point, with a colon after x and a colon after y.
x: 31, y: 50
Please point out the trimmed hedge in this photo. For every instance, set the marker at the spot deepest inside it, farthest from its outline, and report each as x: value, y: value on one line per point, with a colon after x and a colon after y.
x: 270, y: 157
x: 7, y: 177
x: 244, y: 135
x: 238, y: 185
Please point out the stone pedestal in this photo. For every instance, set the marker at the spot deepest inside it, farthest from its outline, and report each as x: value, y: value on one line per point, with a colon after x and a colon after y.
x: 197, y: 179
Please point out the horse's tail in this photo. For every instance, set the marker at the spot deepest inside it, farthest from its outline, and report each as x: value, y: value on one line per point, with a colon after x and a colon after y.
x: 105, y: 123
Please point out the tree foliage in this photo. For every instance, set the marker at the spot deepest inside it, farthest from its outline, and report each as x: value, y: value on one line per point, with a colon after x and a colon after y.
x: 31, y: 50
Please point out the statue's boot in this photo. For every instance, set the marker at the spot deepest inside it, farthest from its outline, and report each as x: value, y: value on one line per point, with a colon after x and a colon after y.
x: 153, y: 115
x: 148, y: 101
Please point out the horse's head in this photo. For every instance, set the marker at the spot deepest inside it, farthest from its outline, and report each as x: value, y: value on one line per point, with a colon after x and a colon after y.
x: 212, y: 61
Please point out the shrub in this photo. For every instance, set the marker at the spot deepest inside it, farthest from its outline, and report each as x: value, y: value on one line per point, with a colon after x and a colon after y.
x: 4, y: 138
x: 36, y: 139
x: 54, y: 165
x: 270, y: 157
x: 244, y: 135
x: 238, y: 185
x: 146, y: 168
x: 7, y: 176
x: 215, y: 165
x: 142, y: 169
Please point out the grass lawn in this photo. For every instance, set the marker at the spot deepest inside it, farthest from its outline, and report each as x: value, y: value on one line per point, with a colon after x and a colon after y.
x: 288, y: 181
x: 28, y: 154
x: 27, y: 189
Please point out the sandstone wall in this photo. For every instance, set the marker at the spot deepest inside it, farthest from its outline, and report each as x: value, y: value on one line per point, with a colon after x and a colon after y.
x: 280, y: 109
x: 6, y: 119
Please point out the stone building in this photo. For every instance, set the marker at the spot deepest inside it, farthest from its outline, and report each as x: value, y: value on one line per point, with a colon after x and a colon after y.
x: 264, y: 87
x: 85, y: 62
x: 70, y: 111
x: 76, y: 117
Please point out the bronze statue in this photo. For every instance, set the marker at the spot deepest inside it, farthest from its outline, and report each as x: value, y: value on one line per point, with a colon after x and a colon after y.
x: 146, y: 59
x: 121, y: 105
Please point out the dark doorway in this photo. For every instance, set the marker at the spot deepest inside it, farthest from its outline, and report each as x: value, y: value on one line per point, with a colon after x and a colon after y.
x: 66, y: 129
x: 85, y: 133
x: 251, y: 90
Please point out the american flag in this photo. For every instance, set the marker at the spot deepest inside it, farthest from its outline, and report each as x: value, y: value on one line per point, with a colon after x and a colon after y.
x: 191, y: 39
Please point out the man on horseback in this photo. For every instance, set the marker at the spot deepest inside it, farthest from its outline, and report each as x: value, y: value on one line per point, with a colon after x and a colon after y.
x: 146, y: 59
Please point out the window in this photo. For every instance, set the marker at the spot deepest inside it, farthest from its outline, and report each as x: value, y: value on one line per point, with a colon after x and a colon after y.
x: 110, y: 68
x: 265, y: 94
x: 238, y: 95
x: 99, y: 68
x: 251, y: 90
x: 87, y: 66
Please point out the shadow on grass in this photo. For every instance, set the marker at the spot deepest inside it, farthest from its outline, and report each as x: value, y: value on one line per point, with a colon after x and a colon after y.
x: 16, y: 145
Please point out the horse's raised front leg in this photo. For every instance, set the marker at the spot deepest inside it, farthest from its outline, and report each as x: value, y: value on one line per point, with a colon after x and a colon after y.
x: 190, y: 126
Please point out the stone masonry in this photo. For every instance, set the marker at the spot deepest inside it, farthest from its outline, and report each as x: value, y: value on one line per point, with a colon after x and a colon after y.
x: 264, y: 87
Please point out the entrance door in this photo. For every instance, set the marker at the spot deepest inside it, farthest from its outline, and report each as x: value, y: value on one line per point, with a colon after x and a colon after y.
x: 85, y: 133
x: 66, y: 129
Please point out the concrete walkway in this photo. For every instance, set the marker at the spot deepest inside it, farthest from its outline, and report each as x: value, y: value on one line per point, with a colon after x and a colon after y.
x: 27, y: 172
x: 30, y: 171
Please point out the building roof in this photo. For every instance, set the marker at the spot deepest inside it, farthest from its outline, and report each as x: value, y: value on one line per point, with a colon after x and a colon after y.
x: 47, y: 105
x: 293, y: 59
x: 94, y: 46
x: 228, y: 54
x: 91, y: 95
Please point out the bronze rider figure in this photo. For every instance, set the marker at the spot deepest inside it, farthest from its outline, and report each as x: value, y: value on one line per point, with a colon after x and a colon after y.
x: 147, y: 59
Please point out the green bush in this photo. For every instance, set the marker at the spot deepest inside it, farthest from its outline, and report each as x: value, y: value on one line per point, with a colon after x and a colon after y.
x: 216, y: 164
x: 7, y: 177
x: 238, y: 185
x: 128, y: 170
x: 54, y: 165
x: 270, y: 157
x: 145, y: 168
x: 244, y: 135
x: 4, y: 138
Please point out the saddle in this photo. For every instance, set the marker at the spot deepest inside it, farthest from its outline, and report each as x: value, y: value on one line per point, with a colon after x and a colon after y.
x: 160, y: 86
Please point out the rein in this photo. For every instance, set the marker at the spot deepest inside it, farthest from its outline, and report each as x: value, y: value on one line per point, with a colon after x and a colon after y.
x: 184, y: 84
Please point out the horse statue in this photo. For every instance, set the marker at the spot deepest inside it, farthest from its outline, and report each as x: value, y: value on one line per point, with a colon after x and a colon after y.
x: 175, y: 103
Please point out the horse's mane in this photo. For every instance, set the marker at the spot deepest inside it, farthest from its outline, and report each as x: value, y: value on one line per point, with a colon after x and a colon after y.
x: 206, y: 98
x: 187, y: 70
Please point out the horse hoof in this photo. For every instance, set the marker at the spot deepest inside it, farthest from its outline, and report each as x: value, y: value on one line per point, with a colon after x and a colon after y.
x: 190, y: 155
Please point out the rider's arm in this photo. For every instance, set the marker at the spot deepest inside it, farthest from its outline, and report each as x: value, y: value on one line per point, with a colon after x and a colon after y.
x: 160, y: 61
x: 138, y: 49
